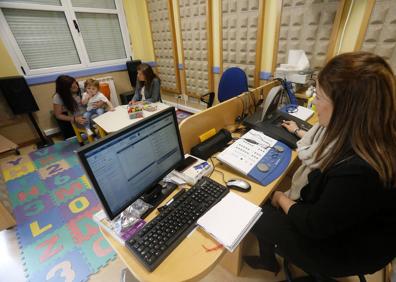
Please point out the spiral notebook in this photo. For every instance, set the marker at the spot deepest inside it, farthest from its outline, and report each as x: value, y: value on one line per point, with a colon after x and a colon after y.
x: 230, y: 220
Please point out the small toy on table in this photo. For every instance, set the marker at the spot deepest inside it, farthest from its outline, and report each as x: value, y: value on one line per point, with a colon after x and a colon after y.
x: 135, y: 111
x: 146, y: 105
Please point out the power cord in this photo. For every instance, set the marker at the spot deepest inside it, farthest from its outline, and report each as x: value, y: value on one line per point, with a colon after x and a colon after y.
x: 219, y: 171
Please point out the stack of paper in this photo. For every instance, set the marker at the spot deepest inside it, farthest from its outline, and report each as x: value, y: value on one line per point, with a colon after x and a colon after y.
x: 230, y: 220
x: 302, y: 113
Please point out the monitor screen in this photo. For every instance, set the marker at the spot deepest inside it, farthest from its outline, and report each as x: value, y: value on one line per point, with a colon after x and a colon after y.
x: 126, y: 164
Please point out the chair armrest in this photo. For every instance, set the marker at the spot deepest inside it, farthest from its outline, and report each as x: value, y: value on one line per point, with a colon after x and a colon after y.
x: 209, y: 100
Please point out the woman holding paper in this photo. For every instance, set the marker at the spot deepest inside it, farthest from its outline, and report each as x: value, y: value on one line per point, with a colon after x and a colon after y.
x: 344, y: 222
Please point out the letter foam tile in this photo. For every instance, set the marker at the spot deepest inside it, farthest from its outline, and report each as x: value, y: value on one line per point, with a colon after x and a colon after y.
x: 47, y: 160
x: 37, y: 228
x: 78, y: 205
x: 33, y: 209
x: 70, y: 267
x: 69, y: 191
x: 96, y: 250
x: 23, y: 190
x: 83, y: 227
x: 13, y: 161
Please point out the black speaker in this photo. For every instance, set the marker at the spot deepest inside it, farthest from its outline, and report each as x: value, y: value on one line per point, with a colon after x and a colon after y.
x: 18, y: 95
x: 21, y: 101
x: 132, y: 70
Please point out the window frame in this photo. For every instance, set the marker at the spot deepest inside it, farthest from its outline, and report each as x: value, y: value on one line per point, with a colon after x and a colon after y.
x: 70, y: 15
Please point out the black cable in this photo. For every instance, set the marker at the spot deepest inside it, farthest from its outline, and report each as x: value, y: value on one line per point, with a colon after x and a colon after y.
x: 219, y: 171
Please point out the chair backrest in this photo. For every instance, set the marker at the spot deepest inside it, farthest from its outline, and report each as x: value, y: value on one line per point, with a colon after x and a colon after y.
x: 232, y: 83
x: 105, y: 89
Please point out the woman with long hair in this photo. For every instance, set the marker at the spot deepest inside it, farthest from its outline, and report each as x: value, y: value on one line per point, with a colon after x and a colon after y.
x: 148, y: 85
x: 67, y: 100
x: 344, y: 222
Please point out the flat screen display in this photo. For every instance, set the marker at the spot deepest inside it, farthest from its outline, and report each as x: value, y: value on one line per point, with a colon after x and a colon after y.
x: 125, y: 165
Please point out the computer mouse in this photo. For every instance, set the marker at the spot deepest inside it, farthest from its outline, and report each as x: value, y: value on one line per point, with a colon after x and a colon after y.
x: 263, y: 167
x: 238, y: 184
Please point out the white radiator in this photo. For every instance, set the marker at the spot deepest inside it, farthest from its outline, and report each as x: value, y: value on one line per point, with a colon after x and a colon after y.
x: 109, y: 80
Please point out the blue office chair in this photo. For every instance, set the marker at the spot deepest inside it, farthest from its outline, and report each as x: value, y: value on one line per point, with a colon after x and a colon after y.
x: 233, y: 82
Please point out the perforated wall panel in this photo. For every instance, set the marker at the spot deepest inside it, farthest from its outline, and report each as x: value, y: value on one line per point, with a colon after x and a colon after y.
x: 163, y: 43
x: 239, y: 27
x: 306, y: 25
x: 381, y: 32
x: 195, y: 41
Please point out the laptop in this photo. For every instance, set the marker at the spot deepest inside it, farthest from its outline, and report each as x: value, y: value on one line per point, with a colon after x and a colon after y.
x: 268, y: 119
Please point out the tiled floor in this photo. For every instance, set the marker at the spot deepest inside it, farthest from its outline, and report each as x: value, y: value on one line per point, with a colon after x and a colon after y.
x: 11, y: 267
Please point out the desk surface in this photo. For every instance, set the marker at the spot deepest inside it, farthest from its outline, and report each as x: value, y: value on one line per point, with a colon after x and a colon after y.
x: 189, y: 261
x: 112, y: 121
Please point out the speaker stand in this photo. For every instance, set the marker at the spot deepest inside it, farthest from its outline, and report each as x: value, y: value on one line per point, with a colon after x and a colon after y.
x: 44, y: 140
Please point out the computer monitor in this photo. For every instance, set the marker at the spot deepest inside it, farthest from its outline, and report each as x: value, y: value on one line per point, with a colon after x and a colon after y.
x: 125, y: 165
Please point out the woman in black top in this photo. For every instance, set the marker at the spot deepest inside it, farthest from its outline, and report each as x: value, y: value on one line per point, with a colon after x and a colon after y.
x: 345, y: 221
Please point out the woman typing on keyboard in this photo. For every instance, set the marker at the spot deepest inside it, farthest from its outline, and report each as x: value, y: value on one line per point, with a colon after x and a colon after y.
x: 344, y: 222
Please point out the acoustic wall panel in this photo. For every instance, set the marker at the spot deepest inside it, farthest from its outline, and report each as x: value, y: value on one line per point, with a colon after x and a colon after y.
x: 163, y: 44
x: 239, y: 30
x: 381, y: 32
x: 193, y: 22
x: 306, y: 25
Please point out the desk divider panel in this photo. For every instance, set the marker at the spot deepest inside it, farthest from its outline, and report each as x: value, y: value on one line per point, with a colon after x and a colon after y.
x: 220, y: 116
x: 307, y: 25
x: 381, y: 32
x: 240, y: 26
x: 164, y: 40
x: 195, y: 23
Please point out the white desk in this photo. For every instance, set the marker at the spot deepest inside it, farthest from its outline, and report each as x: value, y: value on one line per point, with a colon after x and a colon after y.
x: 113, y: 121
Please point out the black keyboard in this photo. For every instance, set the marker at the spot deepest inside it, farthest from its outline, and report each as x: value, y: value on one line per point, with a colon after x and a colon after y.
x: 160, y: 236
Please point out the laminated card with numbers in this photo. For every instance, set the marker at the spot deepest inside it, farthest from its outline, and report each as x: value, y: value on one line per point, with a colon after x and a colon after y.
x: 257, y: 156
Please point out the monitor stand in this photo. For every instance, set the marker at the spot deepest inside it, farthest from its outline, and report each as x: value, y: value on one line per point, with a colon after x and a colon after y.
x: 156, y: 195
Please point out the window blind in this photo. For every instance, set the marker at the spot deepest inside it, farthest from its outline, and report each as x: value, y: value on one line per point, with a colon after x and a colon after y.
x: 43, y: 37
x: 103, y: 4
x: 45, y: 2
x: 102, y: 36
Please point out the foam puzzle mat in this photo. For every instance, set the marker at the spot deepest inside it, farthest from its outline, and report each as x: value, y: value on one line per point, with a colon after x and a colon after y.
x: 53, y: 203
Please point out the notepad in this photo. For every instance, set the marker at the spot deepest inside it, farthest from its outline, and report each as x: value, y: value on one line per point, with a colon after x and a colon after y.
x: 230, y: 220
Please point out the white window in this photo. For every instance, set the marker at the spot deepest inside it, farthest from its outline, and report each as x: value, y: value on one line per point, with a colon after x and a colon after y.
x: 47, y: 36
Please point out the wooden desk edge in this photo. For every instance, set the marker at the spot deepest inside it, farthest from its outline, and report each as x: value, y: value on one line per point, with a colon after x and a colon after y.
x: 145, y: 275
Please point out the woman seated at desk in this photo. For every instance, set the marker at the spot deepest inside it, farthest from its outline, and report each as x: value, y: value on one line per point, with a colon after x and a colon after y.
x: 148, y: 85
x: 344, y: 222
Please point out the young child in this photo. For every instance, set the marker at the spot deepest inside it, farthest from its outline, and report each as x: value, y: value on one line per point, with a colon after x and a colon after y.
x: 90, y: 98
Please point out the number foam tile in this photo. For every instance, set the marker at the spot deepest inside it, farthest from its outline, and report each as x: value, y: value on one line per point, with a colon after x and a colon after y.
x: 33, y: 208
x: 52, y: 246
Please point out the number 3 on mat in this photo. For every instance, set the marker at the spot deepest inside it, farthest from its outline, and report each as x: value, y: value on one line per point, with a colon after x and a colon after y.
x: 66, y: 271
